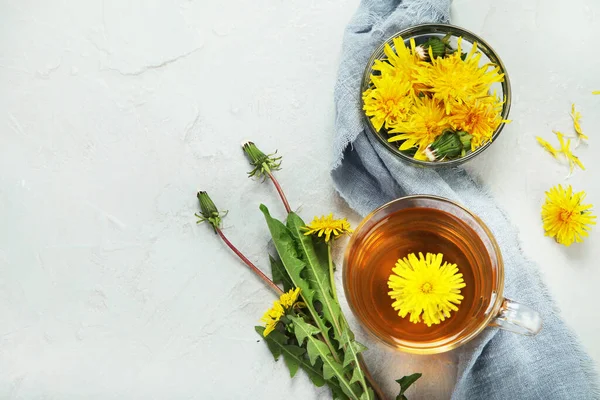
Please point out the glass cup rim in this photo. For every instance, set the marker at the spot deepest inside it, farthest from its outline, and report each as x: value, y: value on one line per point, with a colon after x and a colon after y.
x: 439, y: 28
x: 493, y: 308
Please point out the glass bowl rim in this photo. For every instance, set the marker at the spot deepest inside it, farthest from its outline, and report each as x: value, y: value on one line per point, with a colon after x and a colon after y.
x: 456, y: 31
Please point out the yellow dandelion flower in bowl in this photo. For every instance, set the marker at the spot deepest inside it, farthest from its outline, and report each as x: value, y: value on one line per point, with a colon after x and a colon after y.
x: 401, y: 63
x: 455, y: 81
x: 388, y: 102
x: 425, y: 123
x: 425, y: 288
x: 565, y: 217
x: 274, y: 314
x: 479, y: 117
x: 328, y: 226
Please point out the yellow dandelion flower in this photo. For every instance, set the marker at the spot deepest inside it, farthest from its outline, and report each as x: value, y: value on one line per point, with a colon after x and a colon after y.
x: 576, y: 115
x: 565, y: 148
x: 401, y: 63
x: 425, y: 288
x: 387, y: 102
x: 288, y: 299
x: 272, y: 317
x: 479, y: 118
x: 425, y: 123
x: 455, y: 81
x: 565, y: 218
x: 549, y: 148
x: 328, y: 226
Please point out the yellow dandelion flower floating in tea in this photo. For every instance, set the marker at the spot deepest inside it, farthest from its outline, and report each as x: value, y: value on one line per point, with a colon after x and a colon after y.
x: 425, y: 124
x: 273, y: 315
x: 576, y: 115
x: 328, y: 226
x: 479, y: 117
x: 565, y: 218
x: 425, y: 288
x: 454, y: 81
x: 387, y: 102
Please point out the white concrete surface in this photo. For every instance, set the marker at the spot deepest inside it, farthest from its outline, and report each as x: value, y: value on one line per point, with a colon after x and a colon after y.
x: 112, y: 115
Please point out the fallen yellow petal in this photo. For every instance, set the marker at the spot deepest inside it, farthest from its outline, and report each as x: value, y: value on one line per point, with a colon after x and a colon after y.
x: 549, y: 148
x: 576, y: 115
x: 565, y: 148
x: 576, y: 160
x: 561, y: 140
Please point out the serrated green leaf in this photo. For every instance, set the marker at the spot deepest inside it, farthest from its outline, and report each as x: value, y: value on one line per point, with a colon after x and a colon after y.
x: 351, y: 350
x: 367, y: 395
x: 275, y: 349
x: 338, y: 394
x: 291, y: 357
x: 286, y: 248
x: 317, y: 349
x: 278, y: 340
x: 322, y: 253
x: 305, y: 331
x: 318, y: 277
x: 352, y: 391
x: 279, y: 274
x: 349, y: 355
x: 317, y: 378
x: 355, y: 375
x: 317, y: 273
x: 405, y: 382
x: 308, y: 268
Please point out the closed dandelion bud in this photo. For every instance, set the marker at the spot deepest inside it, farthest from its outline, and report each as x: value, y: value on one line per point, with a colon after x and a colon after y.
x: 209, y: 212
x: 448, y: 145
x: 465, y: 139
x: 435, y: 47
x: 263, y: 164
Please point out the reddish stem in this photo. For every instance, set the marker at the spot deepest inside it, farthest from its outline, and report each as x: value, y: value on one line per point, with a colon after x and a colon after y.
x: 249, y: 264
x: 281, y: 194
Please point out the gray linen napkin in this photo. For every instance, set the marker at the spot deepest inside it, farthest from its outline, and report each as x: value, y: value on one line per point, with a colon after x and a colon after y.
x: 498, y: 364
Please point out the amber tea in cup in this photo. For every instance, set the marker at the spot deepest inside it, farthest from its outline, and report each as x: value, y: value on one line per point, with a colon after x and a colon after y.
x: 429, y: 224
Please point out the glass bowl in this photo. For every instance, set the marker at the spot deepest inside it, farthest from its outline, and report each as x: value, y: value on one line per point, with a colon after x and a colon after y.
x: 420, y: 34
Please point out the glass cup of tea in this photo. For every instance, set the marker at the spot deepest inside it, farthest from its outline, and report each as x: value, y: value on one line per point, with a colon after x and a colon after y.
x: 430, y: 224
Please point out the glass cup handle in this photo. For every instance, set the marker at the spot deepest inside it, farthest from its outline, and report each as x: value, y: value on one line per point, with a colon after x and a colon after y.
x: 515, y: 317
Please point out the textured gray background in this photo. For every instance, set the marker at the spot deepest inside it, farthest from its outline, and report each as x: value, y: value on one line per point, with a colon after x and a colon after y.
x: 113, y: 113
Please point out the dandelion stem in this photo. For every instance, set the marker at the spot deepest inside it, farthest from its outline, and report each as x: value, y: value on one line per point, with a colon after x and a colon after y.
x: 250, y: 265
x: 280, y: 191
x: 331, y: 276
